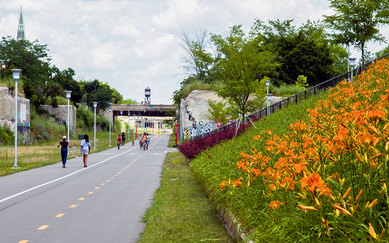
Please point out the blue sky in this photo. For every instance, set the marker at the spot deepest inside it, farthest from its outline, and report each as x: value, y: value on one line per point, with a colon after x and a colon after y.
x: 134, y: 44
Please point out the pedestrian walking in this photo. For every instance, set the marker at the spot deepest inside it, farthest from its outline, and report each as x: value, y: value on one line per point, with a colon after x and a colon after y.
x: 85, y: 149
x: 64, y: 150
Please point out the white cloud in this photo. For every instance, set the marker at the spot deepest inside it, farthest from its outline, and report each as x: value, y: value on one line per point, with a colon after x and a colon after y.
x: 132, y: 44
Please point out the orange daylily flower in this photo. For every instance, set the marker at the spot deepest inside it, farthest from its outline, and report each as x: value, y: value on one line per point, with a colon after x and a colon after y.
x: 237, y: 182
x: 223, y: 184
x: 315, y: 184
x: 275, y: 204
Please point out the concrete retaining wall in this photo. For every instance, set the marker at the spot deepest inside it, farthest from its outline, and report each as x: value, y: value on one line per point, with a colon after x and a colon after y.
x: 7, y: 113
x: 61, y: 112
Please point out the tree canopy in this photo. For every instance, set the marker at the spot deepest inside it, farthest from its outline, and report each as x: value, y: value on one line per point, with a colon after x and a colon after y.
x: 356, y: 22
x: 43, y: 83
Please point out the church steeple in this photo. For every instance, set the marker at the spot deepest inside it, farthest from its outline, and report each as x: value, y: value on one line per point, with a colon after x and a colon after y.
x: 20, y: 27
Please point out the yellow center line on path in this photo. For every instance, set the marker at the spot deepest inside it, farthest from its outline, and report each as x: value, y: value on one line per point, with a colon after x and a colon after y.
x: 108, y: 180
x: 73, y: 206
x: 43, y: 227
x: 102, y: 184
x: 112, y: 178
x: 97, y: 188
x: 59, y: 215
x: 81, y: 199
x: 90, y: 193
x: 23, y: 241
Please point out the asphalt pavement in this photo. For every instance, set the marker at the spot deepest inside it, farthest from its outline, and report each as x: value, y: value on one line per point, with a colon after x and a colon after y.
x: 101, y: 203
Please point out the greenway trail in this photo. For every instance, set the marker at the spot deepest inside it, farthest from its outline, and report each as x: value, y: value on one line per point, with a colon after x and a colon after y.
x: 101, y: 203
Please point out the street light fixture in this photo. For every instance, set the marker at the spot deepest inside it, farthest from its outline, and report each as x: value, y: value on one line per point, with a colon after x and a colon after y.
x: 110, y: 120
x: 94, y: 127
x: 267, y: 86
x: 16, y: 77
x: 68, y: 95
x: 352, y: 64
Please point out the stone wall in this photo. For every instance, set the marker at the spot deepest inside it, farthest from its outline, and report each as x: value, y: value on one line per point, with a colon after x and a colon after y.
x: 194, y: 113
x: 7, y: 113
x: 61, y: 112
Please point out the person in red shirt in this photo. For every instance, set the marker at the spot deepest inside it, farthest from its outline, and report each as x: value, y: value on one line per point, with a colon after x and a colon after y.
x: 64, y: 150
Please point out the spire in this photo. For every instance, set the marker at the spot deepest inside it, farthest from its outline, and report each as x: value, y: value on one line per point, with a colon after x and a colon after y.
x: 20, y: 26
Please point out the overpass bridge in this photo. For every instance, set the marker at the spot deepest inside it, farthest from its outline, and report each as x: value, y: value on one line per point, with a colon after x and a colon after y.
x: 143, y: 116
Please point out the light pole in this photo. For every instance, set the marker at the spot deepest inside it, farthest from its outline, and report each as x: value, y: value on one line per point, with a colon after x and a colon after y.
x: 68, y: 95
x: 110, y: 119
x: 267, y: 86
x: 121, y: 122
x: 16, y: 76
x: 128, y: 116
x: 268, y: 103
x: 352, y: 64
x: 94, y: 127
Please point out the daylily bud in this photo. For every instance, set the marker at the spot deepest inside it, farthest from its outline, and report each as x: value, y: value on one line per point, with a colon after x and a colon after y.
x: 359, y: 195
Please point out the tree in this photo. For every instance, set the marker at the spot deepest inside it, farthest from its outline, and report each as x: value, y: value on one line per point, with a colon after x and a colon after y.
x: 301, y: 51
x: 32, y: 58
x: 217, y: 111
x: 197, y: 59
x: 98, y: 91
x: 242, y: 62
x: 357, y: 22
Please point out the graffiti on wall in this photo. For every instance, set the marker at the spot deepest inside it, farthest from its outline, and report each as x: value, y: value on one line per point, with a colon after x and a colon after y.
x: 199, y: 130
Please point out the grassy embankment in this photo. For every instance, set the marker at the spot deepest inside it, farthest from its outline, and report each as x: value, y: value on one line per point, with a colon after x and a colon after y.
x: 317, y: 175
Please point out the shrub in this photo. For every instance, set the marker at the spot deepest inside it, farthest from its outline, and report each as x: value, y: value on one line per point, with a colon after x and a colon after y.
x: 286, y: 90
x: 6, y: 135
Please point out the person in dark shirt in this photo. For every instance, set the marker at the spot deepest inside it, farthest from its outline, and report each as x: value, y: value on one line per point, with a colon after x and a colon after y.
x: 64, y: 150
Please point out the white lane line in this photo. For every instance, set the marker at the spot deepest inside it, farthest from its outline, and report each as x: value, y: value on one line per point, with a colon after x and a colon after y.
x: 60, y: 178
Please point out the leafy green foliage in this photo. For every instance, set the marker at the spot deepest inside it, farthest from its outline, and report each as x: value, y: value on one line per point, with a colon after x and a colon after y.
x: 242, y: 62
x: 357, y: 21
x: 218, y: 111
x: 85, y: 119
x: 302, y: 81
x: 6, y: 136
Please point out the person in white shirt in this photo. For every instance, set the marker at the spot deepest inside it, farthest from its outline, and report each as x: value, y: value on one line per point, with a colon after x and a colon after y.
x: 85, y: 149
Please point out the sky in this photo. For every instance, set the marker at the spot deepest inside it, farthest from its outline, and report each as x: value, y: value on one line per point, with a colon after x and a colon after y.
x: 134, y: 44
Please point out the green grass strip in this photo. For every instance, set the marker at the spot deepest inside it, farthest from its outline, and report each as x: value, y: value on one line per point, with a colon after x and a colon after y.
x: 181, y: 211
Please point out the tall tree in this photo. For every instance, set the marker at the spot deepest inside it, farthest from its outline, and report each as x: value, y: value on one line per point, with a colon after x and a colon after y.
x: 357, y: 22
x: 197, y: 59
x: 242, y: 63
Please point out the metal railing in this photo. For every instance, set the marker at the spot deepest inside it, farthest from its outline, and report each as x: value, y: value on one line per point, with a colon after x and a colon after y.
x: 296, y: 98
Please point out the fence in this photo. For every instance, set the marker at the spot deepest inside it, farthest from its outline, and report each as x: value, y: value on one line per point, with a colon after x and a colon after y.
x: 296, y: 98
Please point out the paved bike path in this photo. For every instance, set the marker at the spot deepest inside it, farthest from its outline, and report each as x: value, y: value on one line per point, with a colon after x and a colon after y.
x: 101, y: 203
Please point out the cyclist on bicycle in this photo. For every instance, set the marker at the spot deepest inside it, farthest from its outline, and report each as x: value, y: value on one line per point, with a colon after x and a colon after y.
x: 119, y: 140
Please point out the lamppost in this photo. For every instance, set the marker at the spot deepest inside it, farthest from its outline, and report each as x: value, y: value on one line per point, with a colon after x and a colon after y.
x: 110, y: 120
x: 267, y: 86
x: 128, y: 132
x: 94, y: 127
x: 268, y: 103
x: 121, y: 122
x: 352, y: 64
x: 68, y: 95
x: 16, y: 76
